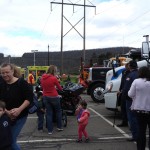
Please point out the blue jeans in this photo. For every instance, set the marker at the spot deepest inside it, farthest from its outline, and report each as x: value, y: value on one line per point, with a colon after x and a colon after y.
x: 53, y: 105
x: 16, y: 129
x: 40, y: 119
x: 132, y: 118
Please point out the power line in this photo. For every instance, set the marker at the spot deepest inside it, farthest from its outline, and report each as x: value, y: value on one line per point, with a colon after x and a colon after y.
x: 106, y: 10
x: 46, y: 22
x: 136, y: 18
x: 130, y: 22
x: 73, y: 26
x: 44, y: 25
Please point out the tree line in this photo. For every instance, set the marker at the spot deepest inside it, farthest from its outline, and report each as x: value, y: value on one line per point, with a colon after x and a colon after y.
x: 71, y: 58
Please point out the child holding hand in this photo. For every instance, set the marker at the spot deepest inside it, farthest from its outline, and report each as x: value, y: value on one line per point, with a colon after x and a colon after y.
x: 82, y: 118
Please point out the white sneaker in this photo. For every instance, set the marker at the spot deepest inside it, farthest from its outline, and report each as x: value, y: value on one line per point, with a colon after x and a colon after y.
x: 50, y: 133
x: 60, y: 129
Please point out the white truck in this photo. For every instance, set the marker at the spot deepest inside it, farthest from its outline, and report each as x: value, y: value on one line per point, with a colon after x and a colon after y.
x: 113, y: 77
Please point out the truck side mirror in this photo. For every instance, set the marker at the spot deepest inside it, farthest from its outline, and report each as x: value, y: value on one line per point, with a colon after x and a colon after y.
x: 145, y: 50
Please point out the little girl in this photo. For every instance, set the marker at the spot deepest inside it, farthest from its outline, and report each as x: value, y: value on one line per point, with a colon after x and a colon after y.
x: 82, y: 118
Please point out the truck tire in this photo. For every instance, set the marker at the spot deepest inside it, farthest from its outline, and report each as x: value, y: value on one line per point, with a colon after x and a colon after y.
x: 97, y: 93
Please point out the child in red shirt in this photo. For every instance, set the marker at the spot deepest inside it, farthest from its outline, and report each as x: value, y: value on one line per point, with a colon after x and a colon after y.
x: 82, y: 118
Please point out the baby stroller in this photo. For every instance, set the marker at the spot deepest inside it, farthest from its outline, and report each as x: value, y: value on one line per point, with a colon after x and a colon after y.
x: 70, y: 97
x: 64, y: 115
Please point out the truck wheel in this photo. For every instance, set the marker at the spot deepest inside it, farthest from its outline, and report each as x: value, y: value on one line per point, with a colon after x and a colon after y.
x: 97, y: 93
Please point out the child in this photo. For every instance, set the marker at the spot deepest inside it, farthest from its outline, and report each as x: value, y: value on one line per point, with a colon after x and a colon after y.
x: 82, y: 117
x: 40, y: 111
x: 5, y: 129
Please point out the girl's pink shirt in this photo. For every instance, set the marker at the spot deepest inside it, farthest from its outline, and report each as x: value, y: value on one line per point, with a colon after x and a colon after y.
x: 84, y: 117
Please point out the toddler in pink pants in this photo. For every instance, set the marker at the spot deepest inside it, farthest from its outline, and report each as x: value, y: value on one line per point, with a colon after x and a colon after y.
x: 82, y: 118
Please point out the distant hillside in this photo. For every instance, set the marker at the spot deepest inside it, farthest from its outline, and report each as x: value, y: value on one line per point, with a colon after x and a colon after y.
x: 71, y: 59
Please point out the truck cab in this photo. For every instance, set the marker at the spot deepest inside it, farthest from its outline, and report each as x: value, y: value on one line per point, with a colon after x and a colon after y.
x: 113, y: 84
x: 113, y: 77
x: 93, y: 78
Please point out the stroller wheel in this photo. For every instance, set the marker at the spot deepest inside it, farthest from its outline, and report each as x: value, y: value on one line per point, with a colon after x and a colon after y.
x: 64, y: 119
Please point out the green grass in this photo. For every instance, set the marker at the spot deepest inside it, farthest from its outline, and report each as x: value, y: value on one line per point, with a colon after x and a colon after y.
x: 73, y: 79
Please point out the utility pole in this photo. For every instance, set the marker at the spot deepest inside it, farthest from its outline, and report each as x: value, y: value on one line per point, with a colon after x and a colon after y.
x: 48, y: 54
x: 34, y: 51
x: 61, y: 44
x: 73, y: 27
x: 84, y: 35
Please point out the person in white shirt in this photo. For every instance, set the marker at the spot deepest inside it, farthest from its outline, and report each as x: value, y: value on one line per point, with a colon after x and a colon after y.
x: 139, y: 92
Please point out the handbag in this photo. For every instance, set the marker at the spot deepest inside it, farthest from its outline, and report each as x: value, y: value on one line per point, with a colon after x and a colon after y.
x: 33, y: 107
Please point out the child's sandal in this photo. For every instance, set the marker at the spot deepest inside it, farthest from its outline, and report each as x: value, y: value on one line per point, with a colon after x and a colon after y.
x: 79, y: 140
x: 87, y: 140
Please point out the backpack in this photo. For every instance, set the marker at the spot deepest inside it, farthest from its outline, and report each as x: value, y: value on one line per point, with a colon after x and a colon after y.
x: 33, y: 107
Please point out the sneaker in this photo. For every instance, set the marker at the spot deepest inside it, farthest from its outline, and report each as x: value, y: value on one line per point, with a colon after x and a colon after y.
x: 87, y: 140
x: 79, y: 140
x: 60, y: 129
x: 50, y: 133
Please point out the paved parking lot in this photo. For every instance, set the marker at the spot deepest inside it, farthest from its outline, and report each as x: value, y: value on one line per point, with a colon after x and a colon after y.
x: 103, y: 135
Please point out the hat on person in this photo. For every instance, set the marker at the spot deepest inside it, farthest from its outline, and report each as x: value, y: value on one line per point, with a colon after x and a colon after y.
x: 133, y: 64
x: 126, y: 61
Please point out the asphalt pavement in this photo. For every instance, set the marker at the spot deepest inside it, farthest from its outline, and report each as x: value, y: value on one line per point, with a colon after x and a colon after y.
x: 103, y: 135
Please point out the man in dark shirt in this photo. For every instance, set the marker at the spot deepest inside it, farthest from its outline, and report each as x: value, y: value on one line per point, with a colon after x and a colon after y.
x: 122, y: 98
x: 130, y: 114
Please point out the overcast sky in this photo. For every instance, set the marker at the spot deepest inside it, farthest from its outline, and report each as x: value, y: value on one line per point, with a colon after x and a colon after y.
x: 27, y: 25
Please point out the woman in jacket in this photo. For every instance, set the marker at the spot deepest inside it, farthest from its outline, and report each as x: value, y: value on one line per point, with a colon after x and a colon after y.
x: 139, y: 92
x: 51, y: 99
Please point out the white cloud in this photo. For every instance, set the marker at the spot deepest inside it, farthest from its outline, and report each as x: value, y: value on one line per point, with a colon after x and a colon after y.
x: 29, y: 24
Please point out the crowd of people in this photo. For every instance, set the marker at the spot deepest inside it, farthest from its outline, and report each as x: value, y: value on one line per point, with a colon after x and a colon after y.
x: 135, y: 102
x: 16, y: 95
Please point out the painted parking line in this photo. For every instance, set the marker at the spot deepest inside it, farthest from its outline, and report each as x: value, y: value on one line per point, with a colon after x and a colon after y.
x: 45, y: 140
x: 32, y: 117
x: 125, y: 135
x: 64, y: 140
x: 117, y: 128
x: 68, y: 139
x: 109, y: 122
